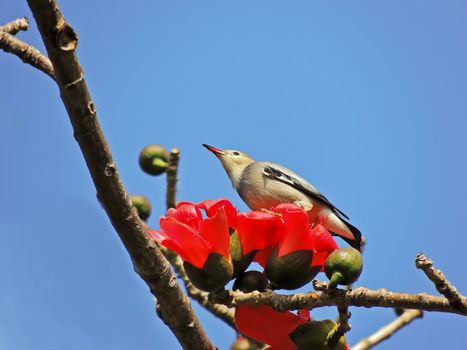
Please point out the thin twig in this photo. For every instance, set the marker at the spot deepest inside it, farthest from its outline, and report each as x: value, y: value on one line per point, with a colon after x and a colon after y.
x: 174, y: 306
x: 342, y: 328
x: 172, y: 170
x: 15, y: 26
x: 440, y: 281
x: 387, y: 331
x: 344, y: 315
x: 219, y: 310
x: 27, y: 53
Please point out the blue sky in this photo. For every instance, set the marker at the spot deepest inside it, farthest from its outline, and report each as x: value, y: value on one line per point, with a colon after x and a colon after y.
x: 365, y: 99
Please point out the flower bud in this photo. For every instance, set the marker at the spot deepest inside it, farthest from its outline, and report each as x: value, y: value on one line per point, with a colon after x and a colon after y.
x: 343, y: 266
x: 142, y: 205
x: 242, y: 344
x: 250, y: 281
x: 314, y: 335
x: 240, y: 261
x: 290, y: 271
x: 215, y: 274
x: 154, y: 159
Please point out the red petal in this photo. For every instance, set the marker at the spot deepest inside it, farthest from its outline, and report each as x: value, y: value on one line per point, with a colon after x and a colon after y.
x: 186, y: 213
x: 323, y: 240
x: 257, y: 230
x: 296, y: 228
x: 159, y: 237
x: 211, y: 207
x: 304, y: 314
x: 267, y: 325
x: 185, y: 241
x: 215, y: 230
x: 262, y: 256
x: 318, y: 259
x: 324, y: 245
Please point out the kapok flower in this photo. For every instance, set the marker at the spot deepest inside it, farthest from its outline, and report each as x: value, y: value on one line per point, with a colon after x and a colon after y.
x: 291, y: 251
x: 269, y: 326
x: 203, y: 243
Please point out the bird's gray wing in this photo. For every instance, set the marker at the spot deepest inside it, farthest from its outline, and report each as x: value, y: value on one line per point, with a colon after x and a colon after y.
x: 300, y: 184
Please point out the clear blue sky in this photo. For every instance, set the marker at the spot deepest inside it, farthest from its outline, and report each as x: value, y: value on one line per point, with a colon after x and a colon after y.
x: 366, y: 99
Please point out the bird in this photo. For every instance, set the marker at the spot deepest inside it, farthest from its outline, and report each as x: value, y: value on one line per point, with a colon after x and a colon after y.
x: 264, y: 185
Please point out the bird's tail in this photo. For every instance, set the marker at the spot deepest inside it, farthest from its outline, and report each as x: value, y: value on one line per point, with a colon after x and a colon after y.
x: 355, y: 242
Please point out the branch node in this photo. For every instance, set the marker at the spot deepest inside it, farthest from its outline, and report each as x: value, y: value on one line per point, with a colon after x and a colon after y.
x: 66, y: 38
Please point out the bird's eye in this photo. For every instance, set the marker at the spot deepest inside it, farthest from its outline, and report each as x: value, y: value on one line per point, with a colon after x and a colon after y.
x: 236, y: 153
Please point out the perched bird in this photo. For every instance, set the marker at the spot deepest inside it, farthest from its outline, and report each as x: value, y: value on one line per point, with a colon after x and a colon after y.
x: 263, y: 185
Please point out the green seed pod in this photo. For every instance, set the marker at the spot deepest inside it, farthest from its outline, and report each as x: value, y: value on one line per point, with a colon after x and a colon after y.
x: 291, y: 271
x: 154, y: 159
x: 240, y: 261
x: 343, y: 266
x: 314, y: 335
x: 242, y: 344
x: 250, y: 281
x: 215, y: 274
x: 142, y: 205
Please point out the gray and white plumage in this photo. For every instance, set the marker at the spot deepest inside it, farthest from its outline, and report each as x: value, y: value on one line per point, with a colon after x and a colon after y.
x: 263, y: 185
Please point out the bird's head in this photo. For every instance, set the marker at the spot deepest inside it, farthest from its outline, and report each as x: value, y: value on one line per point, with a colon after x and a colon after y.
x: 233, y: 161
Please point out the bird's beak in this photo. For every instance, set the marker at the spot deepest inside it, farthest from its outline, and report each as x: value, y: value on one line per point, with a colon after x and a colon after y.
x: 214, y: 150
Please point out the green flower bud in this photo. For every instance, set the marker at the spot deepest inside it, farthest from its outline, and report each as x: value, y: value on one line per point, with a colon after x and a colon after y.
x: 242, y: 344
x: 291, y: 271
x: 314, y: 335
x: 154, y: 159
x: 215, y: 274
x: 142, y: 205
x: 250, y: 281
x: 343, y: 266
x: 240, y: 261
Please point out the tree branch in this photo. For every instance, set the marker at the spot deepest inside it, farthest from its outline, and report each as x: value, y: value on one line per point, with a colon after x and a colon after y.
x: 360, y: 296
x: 174, y: 306
x: 15, y: 26
x: 437, y: 277
x: 357, y: 297
x: 27, y: 53
x: 387, y: 331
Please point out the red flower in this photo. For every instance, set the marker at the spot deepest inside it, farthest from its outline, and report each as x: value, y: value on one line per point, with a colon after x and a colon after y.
x: 269, y: 326
x: 185, y: 231
x: 288, y: 227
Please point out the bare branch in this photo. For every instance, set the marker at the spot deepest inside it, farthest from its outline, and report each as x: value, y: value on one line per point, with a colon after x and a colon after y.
x: 362, y: 297
x: 60, y: 41
x: 15, y: 26
x: 27, y: 53
x: 387, y: 331
x: 172, y: 178
x: 437, y: 277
